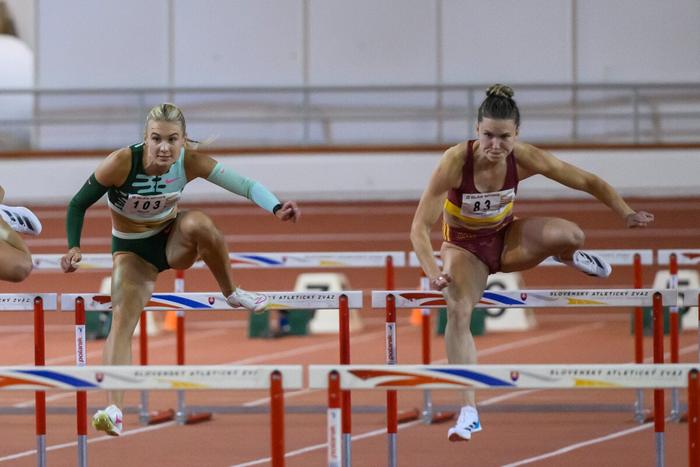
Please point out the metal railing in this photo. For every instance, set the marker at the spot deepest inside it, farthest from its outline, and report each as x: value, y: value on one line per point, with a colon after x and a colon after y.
x: 45, y: 119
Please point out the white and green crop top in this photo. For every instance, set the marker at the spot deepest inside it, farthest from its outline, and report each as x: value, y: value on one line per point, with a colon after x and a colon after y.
x: 148, y: 197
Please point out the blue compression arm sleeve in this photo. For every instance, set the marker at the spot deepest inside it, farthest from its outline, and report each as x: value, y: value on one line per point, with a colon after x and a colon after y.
x: 243, y: 186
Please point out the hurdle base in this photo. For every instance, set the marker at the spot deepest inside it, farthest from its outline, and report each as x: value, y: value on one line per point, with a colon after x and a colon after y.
x: 406, y: 416
x: 648, y: 417
x: 441, y: 417
x: 160, y: 416
x: 201, y: 417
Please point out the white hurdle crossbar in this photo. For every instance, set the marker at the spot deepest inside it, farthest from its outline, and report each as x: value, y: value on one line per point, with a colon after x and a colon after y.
x: 517, y: 376
x: 589, y: 376
x: 25, y: 301
x: 130, y: 377
x: 395, y: 299
x: 532, y: 298
x: 199, y: 301
x: 354, y: 259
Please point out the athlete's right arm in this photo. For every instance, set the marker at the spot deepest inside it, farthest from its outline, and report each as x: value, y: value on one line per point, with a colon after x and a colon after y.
x: 109, y: 173
x: 448, y: 174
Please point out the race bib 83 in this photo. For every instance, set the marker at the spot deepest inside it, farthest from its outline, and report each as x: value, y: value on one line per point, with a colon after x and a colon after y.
x: 482, y: 205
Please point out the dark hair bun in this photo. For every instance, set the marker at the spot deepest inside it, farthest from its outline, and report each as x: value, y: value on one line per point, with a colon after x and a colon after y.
x: 500, y: 90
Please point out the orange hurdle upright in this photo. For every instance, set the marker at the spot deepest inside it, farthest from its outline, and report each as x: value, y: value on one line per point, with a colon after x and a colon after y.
x: 674, y: 337
x: 693, y: 419
x: 40, y: 396
x: 391, y: 396
x: 659, y: 422
x: 81, y: 396
x: 639, y: 415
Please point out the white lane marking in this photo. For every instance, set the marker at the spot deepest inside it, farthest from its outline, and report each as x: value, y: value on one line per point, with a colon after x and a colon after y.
x: 582, y: 444
x: 56, y: 447
x: 602, y: 439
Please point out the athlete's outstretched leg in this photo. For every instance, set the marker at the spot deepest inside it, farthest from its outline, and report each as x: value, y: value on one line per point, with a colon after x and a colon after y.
x: 133, y: 280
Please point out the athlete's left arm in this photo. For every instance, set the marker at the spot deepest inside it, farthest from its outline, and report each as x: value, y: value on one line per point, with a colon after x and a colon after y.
x: 198, y: 165
x: 539, y: 161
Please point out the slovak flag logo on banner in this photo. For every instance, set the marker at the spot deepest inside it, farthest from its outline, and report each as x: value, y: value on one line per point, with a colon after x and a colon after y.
x: 211, y: 300
x: 523, y: 296
x: 514, y: 375
x: 99, y: 377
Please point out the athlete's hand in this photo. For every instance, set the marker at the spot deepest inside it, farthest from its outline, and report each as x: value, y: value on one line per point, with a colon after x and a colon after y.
x: 440, y: 282
x: 289, y: 212
x: 639, y: 219
x: 69, y: 261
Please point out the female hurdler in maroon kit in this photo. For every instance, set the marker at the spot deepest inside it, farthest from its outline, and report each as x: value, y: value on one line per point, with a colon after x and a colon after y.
x: 474, y: 188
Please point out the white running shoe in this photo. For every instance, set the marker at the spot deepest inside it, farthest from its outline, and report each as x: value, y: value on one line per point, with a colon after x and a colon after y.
x: 108, y: 420
x: 253, y: 301
x: 467, y: 423
x: 20, y: 219
x: 588, y: 263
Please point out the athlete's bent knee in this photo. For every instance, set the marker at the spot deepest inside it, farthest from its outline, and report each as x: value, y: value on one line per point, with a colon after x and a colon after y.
x: 19, y: 272
x: 196, y: 223
x: 572, y: 237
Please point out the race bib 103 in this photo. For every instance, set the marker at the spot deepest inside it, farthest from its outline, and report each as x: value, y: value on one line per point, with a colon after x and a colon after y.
x: 150, y: 205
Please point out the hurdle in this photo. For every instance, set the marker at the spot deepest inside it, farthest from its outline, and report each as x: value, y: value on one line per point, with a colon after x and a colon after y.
x: 636, y: 258
x: 391, y: 300
x: 37, y: 303
x: 691, y: 297
x: 246, y: 260
x: 672, y: 258
x: 300, y: 260
x: 460, y: 377
x: 88, y: 378
x: 197, y: 301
